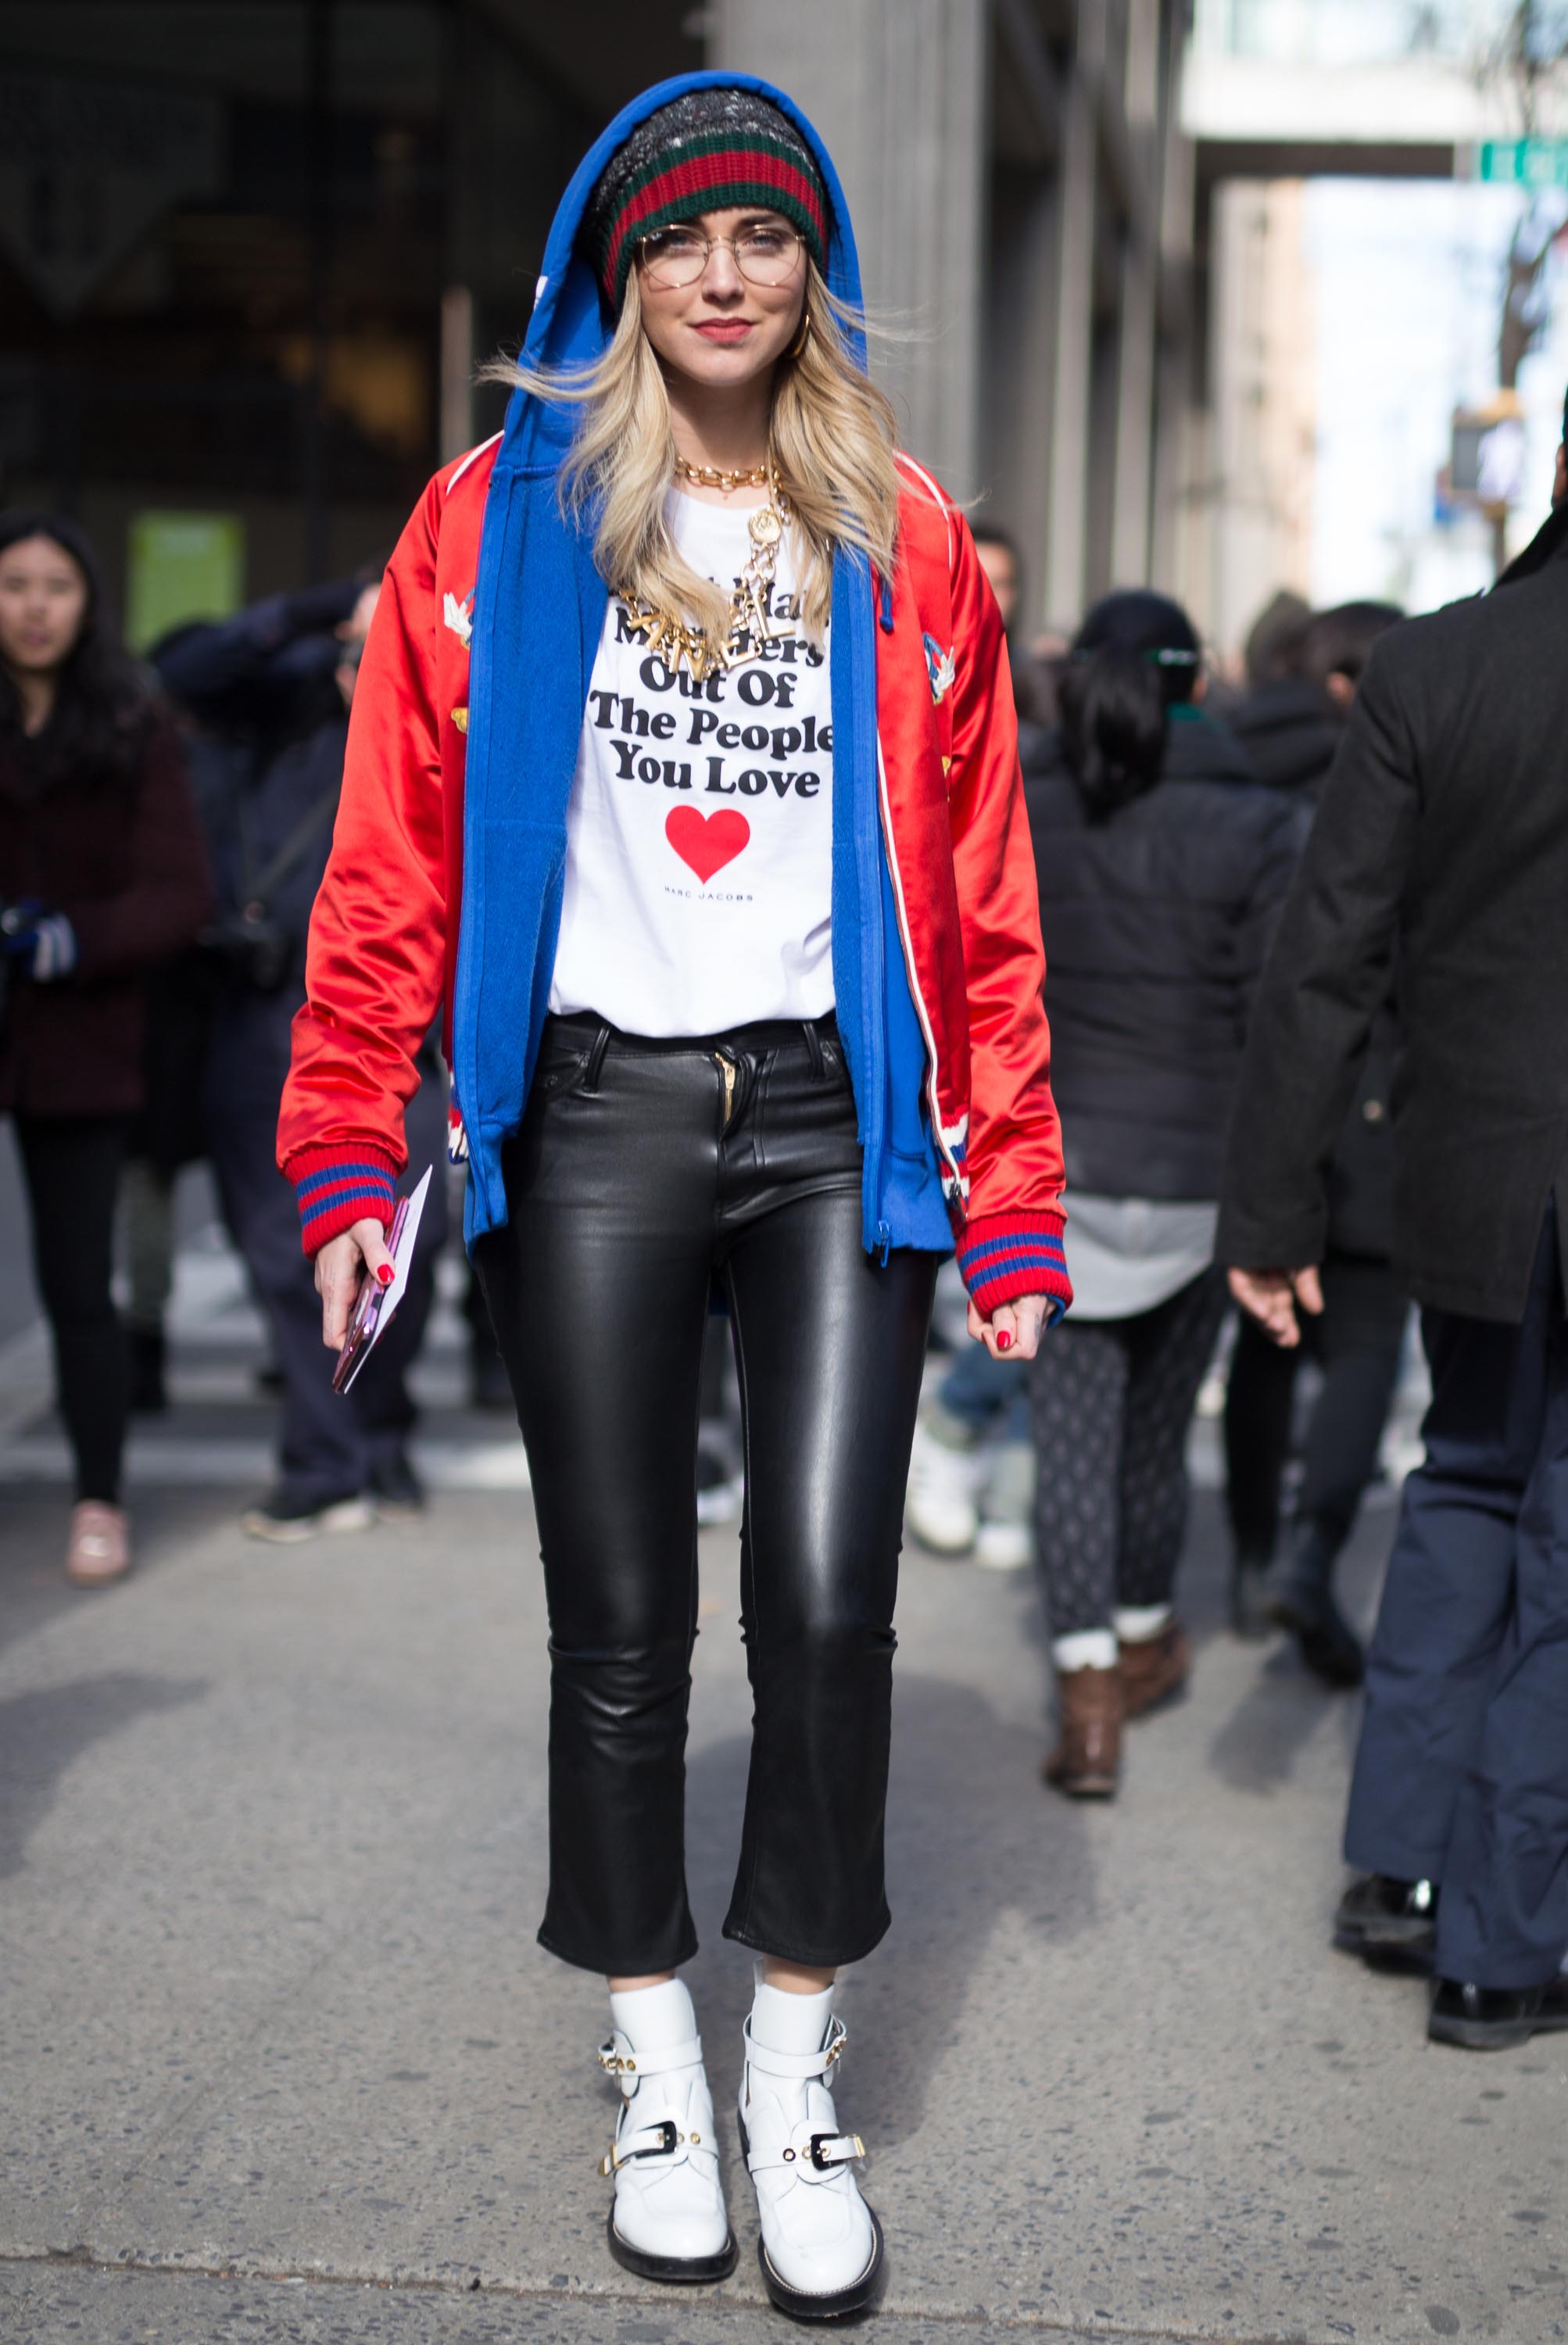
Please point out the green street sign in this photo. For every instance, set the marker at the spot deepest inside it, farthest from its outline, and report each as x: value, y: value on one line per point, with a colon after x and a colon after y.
x: 1525, y: 162
x: 181, y: 565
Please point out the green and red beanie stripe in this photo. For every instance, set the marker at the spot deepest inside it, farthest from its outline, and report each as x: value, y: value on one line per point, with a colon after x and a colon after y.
x: 726, y: 178
x: 716, y: 149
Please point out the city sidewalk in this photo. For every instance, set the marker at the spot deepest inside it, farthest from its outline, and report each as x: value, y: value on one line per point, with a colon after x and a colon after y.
x: 281, y: 2059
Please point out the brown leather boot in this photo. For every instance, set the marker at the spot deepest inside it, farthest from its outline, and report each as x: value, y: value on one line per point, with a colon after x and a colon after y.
x: 1155, y: 1669
x: 1087, y: 1759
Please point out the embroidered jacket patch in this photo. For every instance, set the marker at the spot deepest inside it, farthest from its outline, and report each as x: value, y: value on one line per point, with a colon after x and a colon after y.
x: 941, y: 668
x: 459, y: 617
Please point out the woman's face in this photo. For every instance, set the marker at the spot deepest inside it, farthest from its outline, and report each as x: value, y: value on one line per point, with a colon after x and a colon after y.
x: 43, y: 602
x: 726, y: 327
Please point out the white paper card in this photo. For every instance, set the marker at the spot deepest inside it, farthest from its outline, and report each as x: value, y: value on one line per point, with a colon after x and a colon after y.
x: 403, y: 1258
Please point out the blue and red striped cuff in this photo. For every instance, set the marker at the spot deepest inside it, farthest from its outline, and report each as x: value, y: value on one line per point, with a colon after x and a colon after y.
x: 338, y: 1186
x: 1003, y: 1255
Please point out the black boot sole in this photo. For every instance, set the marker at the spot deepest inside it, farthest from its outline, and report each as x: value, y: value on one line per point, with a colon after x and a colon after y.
x: 1414, y: 1959
x: 1488, y: 2034
x: 796, y: 2302
x: 674, y: 2271
x: 802, y: 2306
x: 1083, y: 1787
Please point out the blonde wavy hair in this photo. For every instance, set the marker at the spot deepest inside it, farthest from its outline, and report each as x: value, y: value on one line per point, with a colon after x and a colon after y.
x: 833, y: 436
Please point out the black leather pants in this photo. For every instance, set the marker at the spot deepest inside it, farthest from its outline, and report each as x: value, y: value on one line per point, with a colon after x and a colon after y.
x: 645, y: 1175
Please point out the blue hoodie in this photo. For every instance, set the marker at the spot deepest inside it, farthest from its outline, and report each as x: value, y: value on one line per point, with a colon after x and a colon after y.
x: 539, y: 614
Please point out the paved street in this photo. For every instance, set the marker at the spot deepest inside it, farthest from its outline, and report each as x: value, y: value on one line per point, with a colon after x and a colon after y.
x: 282, y: 2060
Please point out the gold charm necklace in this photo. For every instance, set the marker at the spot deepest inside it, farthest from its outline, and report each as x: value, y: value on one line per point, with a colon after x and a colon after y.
x: 749, y: 627
x: 714, y: 476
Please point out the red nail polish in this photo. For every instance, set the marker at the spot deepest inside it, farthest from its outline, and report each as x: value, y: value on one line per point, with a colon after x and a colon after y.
x: 384, y: 1273
x: 1004, y: 1340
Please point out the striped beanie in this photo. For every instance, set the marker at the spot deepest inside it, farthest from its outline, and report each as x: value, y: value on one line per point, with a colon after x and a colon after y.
x: 710, y: 150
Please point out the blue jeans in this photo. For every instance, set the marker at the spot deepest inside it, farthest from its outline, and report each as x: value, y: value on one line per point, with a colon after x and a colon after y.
x: 989, y: 1397
x: 329, y: 1445
x: 1462, y: 1774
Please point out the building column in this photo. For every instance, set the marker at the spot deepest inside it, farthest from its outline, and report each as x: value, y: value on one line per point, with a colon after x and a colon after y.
x: 1067, y: 537
x: 898, y: 90
x: 1021, y: 359
x: 1130, y: 518
x: 1178, y: 563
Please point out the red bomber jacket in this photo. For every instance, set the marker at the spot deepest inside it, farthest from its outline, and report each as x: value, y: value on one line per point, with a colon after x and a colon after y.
x: 384, y: 931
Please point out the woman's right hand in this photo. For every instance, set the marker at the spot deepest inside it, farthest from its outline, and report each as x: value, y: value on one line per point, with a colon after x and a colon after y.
x: 341, y: 1268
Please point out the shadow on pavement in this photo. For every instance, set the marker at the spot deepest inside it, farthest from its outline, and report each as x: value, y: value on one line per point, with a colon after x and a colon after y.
x: 34, y: 1525
x: 1256, y: 1748
x: 971, y: 1838
x: 43, y: 1732
x: 1285, y: 1711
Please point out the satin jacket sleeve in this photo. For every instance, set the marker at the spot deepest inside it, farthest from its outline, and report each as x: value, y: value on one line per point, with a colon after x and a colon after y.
x: 1011, y: 1243
x: 374, y: 969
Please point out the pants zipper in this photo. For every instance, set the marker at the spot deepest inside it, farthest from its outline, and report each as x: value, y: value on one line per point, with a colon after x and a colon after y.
x: 726, y: 1069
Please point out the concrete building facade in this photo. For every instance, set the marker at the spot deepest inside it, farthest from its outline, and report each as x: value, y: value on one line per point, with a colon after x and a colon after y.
x: 286, y: 326
x: 1022, y: 198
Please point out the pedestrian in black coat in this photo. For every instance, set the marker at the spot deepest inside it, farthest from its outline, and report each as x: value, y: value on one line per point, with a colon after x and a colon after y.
x: 1162, y: 867
x: 274, y: 685
x: 1358, y: 1338
x: 1444, y: 827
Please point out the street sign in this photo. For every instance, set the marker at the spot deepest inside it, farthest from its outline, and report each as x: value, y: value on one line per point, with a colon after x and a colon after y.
x: 1486, y: 462
x: 182, y: 565
x: 1525, y: 162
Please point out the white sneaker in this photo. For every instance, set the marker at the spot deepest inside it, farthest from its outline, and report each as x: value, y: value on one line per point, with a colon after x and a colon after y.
x: 285, y: 1522
x: 821, y: 2246
x: 940, y: 1504
x: 668, y: 2218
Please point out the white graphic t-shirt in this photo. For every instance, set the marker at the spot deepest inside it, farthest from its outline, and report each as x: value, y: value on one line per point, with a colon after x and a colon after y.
x: 700, y: 838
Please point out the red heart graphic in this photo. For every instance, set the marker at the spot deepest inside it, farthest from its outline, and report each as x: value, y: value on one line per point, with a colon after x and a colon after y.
x: 707, y: 841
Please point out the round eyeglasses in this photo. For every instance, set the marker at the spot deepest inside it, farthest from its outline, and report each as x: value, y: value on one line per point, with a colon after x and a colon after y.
x: 678, y: 256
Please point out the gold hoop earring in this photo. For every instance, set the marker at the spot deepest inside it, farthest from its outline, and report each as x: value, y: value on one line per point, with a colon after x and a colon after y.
x: 796, y: 347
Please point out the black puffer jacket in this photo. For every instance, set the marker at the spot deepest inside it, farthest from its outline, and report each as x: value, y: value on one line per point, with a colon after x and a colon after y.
x: 1288, y: 730
x: 1157, y: 923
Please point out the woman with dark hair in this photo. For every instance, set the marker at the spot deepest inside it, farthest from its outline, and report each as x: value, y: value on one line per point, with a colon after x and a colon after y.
x: 102, y: 875
x: 1162, y: 867
x: 683, y: 759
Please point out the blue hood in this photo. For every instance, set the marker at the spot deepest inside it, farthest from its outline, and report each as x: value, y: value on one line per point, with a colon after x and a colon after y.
x: 569, y: 328
x: 539, y: 609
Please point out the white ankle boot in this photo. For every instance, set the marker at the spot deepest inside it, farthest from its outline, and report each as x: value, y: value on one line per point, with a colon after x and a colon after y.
x: 667, y: 2220
x: 821, y: 2246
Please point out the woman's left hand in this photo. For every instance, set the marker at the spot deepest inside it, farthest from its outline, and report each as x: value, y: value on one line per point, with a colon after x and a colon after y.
x: 1014, y: 1330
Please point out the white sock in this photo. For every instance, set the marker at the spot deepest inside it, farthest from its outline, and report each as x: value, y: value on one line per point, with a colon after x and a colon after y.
x: 1088, y: 1649
x: 1137, y: 1624
x: 782, y: 2022
x: 654, y: 2017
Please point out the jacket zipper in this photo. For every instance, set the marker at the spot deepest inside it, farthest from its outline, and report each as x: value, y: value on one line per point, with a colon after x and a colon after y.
x: 868, y: 843
x: 934, y: 1102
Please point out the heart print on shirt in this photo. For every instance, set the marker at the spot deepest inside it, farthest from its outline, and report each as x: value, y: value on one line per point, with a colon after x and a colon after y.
x: 700, y: 841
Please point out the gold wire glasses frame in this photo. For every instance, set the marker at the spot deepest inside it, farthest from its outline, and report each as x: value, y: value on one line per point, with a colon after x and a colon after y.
x: 679, y: 256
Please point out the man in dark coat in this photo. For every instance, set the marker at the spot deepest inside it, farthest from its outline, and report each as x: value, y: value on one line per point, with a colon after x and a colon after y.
x: 1358, y: 1338
x: 1444, y: 825
x: 275, y: 683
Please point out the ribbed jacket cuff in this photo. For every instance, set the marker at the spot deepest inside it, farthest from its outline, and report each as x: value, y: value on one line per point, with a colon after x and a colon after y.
x: 338, y: 1186
x: 1003, y: 1255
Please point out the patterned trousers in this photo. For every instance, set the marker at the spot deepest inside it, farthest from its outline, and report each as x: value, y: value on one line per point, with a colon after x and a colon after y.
x: 1111, y: 1401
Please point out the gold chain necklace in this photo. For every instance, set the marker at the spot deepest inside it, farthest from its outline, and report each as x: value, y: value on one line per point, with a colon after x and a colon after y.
x: 714, y: 476
x: 749, y: 627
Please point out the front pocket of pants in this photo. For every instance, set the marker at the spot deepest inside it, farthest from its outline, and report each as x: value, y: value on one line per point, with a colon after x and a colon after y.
x: 557, y: 1078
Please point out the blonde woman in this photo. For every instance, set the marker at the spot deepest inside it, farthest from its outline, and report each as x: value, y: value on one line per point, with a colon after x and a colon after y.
x: 684, y: 758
